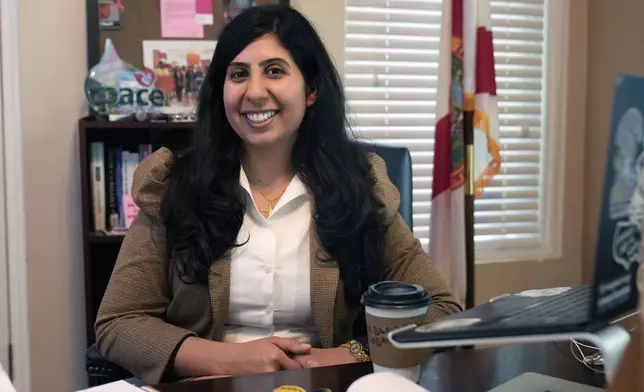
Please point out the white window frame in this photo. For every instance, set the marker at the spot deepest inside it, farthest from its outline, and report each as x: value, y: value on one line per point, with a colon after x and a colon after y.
x: 553, y: 157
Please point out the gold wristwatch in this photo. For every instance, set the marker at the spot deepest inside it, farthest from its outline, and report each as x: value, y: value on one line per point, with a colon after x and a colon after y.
x: 357, y: 350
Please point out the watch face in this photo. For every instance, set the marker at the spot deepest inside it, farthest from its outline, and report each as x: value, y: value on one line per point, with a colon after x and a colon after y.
x: 355, y: 348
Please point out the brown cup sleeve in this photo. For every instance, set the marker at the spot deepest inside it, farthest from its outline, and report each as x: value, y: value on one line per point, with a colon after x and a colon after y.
x: 382, y: 352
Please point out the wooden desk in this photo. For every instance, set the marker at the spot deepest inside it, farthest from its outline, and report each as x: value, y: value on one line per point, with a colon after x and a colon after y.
x: 462, y: 371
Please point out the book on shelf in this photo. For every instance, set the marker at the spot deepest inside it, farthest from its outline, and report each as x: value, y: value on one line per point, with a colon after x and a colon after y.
x: 111, y: 173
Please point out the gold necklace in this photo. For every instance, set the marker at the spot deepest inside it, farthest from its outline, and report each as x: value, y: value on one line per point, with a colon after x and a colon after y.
x: 271, y: 203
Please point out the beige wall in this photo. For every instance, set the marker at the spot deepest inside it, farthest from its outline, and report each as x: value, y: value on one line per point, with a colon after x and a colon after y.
x: 53, y: 65
x: 328, y: 18
x: 616, y: 47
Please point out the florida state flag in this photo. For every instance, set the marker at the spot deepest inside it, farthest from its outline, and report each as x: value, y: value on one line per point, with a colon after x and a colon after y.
x: 466, y: 84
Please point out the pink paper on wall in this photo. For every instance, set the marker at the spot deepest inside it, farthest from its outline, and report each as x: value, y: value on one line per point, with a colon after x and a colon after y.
x: 178, y: 19
x: 204, y: 16
x: 130, y: 209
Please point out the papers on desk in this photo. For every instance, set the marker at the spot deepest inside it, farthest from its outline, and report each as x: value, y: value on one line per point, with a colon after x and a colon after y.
x: 117, y: 386
x: 5, y: 382
x: 544, y: 292
x: 384, y: 382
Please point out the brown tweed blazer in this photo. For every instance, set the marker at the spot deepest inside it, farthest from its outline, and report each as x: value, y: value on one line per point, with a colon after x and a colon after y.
x: 147, y: 311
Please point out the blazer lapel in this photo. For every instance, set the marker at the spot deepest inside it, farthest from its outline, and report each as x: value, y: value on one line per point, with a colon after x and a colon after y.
x: 219, y: 287
x: 324, y: 283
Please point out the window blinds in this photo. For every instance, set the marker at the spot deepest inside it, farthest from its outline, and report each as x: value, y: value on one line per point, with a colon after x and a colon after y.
x: 391, y: 75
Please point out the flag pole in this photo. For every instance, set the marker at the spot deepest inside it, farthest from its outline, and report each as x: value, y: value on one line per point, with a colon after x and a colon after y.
x: 470, y: 16
x: 468, y: 136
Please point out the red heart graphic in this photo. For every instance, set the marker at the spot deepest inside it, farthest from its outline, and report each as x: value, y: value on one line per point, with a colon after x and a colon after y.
x: 146, y: 78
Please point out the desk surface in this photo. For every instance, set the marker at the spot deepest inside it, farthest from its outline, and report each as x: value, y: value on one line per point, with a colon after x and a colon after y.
x: 463, y: 371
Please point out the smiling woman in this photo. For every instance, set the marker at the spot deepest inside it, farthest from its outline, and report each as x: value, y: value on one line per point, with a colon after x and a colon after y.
x: 254, y: 246
x: 265, y: 99
x: 265, y: 95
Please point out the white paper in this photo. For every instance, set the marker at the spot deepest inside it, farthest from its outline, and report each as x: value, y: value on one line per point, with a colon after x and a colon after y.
x: 5, y: 382
x: 117, y: 386
x: 205, y: 19
x: 544, y: 292
x: 384, y: 382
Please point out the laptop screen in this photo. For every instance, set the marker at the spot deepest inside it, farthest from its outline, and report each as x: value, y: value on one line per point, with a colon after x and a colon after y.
x: 622, y: 214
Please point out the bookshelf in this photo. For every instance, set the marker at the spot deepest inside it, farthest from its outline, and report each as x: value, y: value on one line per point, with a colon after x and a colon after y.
x: 100, y: 249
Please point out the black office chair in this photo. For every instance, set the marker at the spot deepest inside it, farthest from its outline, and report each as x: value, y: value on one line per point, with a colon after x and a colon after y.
x: 398, y: 161
x: 101, y: 371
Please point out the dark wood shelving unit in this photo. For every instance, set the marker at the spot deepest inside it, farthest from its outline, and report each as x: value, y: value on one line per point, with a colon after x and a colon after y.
x: 100, y: 250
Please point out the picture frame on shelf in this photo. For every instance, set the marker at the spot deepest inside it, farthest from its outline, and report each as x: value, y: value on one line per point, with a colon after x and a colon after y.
x: 109, y: 14
x: 180, y: 67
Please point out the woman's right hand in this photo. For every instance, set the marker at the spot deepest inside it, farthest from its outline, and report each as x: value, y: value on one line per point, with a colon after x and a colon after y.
x: 258, y: 356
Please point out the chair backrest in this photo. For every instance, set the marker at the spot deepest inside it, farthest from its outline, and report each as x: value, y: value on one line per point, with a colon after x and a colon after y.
x: 398, y: 162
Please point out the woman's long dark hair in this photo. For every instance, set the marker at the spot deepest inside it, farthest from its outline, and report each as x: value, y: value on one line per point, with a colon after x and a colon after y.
x: 203, y: 208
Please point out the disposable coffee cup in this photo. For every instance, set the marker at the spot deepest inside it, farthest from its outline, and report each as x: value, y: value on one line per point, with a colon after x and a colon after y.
x: 389, y: 306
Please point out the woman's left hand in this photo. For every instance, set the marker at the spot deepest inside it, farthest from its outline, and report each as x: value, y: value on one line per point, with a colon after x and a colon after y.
x: 319, y: 357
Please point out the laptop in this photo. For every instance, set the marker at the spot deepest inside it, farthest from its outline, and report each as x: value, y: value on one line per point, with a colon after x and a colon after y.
x: 587, y: 308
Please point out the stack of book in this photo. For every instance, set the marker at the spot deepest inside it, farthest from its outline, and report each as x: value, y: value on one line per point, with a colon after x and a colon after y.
x: 111, y: 172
